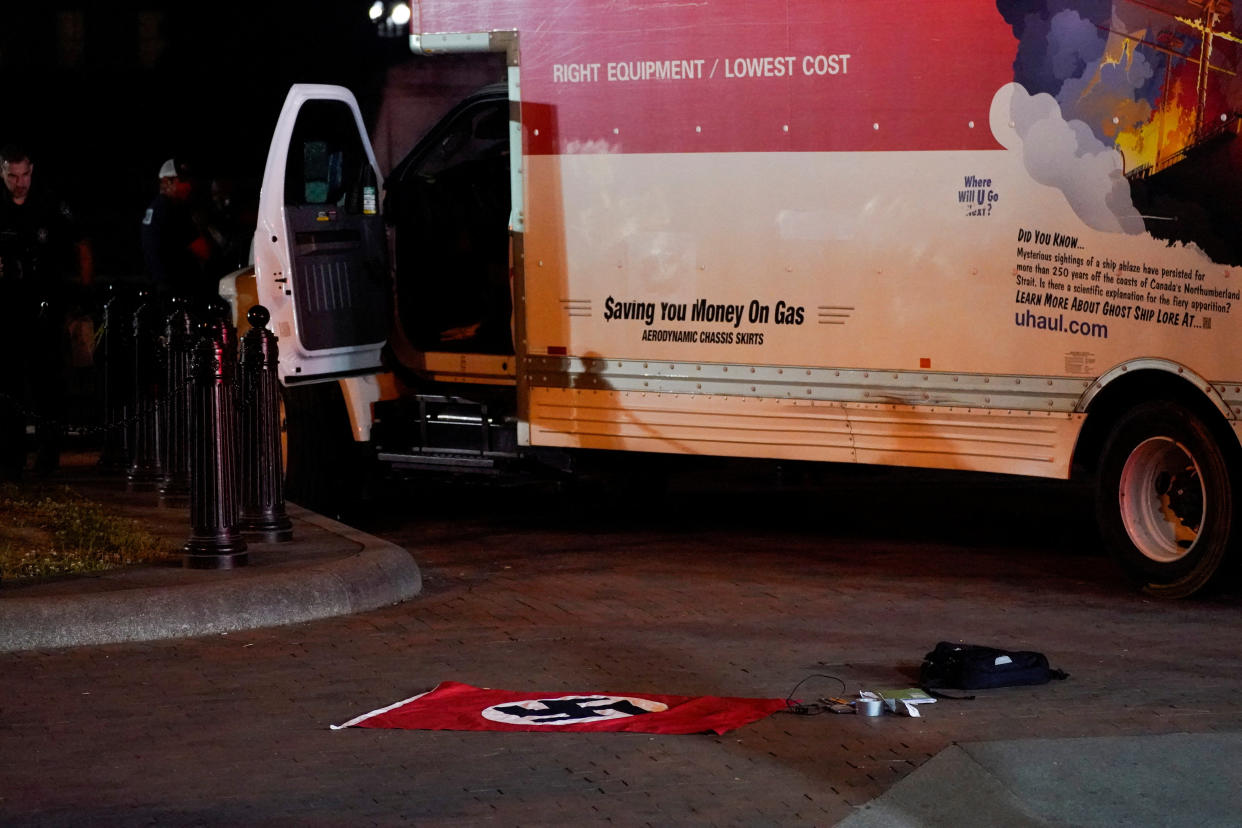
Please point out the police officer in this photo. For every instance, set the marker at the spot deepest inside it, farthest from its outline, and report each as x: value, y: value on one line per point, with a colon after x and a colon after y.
x: 39, y: 238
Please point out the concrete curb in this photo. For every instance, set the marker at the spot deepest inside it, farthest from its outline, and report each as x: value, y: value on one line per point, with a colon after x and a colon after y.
x: 379, y: 574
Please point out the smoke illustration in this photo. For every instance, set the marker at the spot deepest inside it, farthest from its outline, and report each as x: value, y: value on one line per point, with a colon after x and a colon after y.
x: 1066, y: 155
x: 1070, y: 102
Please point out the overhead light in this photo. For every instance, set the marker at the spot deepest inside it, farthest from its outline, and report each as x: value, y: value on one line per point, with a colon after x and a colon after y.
x: 391, y: 18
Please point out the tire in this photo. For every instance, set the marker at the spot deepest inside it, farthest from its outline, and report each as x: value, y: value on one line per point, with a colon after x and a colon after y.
x: 325, y: 469
x: 1165, y: 501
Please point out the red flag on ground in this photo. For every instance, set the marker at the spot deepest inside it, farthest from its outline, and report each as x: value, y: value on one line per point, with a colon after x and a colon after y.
x: 455, y: 706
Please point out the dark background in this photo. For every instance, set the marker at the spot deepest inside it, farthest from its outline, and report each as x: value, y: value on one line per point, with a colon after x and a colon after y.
x: 101, y: 93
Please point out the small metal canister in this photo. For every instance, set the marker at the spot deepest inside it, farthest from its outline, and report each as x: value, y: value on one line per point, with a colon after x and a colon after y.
x: 869, y: 707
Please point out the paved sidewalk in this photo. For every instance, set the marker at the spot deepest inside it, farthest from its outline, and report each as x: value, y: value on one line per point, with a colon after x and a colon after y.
x: 328, y: 569
x: 1147, y: 731
x: 1171, y: 779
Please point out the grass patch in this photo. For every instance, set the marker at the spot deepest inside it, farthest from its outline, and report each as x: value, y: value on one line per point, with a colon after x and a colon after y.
x: 52, y: 530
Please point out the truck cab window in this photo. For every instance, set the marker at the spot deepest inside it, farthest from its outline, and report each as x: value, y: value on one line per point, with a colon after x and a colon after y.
x: 326, y: 158
x: 321, y: 172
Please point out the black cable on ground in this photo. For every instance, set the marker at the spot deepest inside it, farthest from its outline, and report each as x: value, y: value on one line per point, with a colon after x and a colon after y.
x: 813, y: 708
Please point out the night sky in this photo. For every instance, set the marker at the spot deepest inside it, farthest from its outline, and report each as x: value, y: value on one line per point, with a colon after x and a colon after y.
x: 102, y: 92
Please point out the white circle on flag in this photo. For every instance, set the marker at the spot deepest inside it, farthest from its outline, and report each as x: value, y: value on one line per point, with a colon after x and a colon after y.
x: 568, y: 710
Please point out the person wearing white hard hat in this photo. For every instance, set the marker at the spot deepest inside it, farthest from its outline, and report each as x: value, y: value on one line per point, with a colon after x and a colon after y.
x: 173, y: 246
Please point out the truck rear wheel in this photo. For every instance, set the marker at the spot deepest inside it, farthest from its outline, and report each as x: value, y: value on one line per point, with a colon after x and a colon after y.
x: 324, y: 466
x: 1165, y: 502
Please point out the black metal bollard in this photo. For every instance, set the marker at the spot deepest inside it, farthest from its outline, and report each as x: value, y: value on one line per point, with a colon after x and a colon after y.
x: 180, y: 335
x: 146, y: 470
x: 215, y: 541
x: 263, y: 491
x: 116, y: 381
x: 218, y: 314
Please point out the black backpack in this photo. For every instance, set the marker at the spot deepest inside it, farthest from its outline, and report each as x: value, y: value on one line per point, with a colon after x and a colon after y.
x: 972, y: 667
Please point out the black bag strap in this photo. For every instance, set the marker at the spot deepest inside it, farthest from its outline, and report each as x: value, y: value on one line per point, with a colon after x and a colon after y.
x: 941, y: 695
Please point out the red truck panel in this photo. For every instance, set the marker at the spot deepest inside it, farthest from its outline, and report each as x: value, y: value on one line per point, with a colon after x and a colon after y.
x: 747, y: 75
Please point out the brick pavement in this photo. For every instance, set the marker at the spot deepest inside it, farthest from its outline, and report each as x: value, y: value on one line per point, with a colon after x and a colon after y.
x: 734, y: 596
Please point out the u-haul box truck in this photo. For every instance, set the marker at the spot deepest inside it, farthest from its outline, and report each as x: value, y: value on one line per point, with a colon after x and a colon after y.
x: 970, y: 235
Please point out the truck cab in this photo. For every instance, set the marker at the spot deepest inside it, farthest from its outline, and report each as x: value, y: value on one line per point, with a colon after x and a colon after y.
x: 396, y: 328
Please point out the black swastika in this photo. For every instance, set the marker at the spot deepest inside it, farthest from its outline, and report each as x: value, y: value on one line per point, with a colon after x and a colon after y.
x: 560, y: 709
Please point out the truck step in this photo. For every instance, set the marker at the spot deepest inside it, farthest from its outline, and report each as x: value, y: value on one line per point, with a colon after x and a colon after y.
x: 439, y: 461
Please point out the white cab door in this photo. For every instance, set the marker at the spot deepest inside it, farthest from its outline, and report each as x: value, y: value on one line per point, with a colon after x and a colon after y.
x: 320, y: 253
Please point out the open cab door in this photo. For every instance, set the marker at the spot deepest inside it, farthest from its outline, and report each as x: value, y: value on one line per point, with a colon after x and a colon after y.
x: 320, y: 251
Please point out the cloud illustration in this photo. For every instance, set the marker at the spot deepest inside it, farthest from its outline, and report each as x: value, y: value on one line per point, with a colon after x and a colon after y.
x: 1066, y: 155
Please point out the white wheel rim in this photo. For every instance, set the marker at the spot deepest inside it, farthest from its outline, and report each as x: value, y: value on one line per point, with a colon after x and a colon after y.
x: 1162, y: 499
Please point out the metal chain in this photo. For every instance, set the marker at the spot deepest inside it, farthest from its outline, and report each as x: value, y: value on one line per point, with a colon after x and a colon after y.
x: 244, y: 394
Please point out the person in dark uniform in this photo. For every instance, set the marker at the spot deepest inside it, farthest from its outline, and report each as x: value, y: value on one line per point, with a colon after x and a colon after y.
x: 42, y: 255
x: 175, y: 249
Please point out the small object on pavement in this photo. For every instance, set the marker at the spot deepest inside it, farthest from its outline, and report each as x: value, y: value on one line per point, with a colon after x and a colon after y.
x: 868, y: 707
